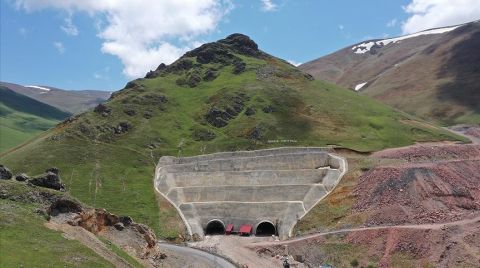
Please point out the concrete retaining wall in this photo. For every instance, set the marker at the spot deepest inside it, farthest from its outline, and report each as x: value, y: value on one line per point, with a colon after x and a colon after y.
x: 271, y: 162
x: 253, y: 193
x: 276, y: 185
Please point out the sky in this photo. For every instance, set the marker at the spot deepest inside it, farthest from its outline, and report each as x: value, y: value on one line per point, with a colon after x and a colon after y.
x: 103, y: 44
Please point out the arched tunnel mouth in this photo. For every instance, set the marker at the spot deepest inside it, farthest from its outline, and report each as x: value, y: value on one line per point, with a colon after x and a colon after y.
x: 215, y: 227
x: 265, y: 229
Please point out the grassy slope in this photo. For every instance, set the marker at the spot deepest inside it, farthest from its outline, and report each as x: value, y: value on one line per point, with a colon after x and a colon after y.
x: 25, y: 242
x: 17, y: 127
x: 131, y: 260
x: 113, y: 171
x: 21, y: 118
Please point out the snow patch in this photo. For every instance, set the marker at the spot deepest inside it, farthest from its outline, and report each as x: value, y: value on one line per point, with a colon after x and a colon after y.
x: 359, y: 86
x: 366, y: 46
x: 294, y: 63
x: 41, y: 88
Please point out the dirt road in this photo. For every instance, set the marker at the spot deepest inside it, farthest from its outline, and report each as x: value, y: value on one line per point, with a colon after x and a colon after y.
x: 433, y: 226
x: 196, y: 258
x: 464, y: 132
x: 243, y: 249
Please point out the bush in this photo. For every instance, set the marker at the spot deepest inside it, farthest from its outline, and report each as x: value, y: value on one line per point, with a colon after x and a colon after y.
x: 354, y: 263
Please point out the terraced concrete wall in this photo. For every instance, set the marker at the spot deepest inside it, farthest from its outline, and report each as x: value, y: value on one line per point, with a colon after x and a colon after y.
x: 248, y: 187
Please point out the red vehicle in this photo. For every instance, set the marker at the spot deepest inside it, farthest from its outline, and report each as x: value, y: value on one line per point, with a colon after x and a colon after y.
x: 245, y: 229
x: 229, y: 229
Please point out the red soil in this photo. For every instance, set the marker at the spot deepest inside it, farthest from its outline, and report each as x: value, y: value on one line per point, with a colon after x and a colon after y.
x: 422, y: 186
x: 438, y: 183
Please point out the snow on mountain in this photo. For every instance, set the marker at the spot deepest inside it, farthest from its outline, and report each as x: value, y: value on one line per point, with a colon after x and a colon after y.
x: 366, y: 46
x: 359, y: 86
x: 38, y: 87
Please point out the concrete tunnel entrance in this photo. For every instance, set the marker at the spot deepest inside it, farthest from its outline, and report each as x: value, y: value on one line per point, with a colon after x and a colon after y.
x: 215, y: 227
x: 265, y: 229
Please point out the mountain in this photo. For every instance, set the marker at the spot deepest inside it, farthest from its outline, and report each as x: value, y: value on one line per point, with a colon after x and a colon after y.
x: 23, y: 117
x: 433, y: 74
x: 72, y: 101
x: 223, y: 96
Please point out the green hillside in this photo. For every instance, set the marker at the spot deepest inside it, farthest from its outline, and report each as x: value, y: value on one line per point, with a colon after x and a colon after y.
x: 26, y: 242
x: 21, y: 118
x: 226, y: 95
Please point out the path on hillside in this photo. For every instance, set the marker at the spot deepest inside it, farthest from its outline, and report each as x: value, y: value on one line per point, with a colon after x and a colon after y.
x: 473, y: 139
x: 89, y: 240
x: 431, y: 226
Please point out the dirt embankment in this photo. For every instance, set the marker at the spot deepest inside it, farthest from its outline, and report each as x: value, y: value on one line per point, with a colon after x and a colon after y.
x: 398, y: 210
x: 434, y: 184
x: 456, y: 244
x: 136, y: 239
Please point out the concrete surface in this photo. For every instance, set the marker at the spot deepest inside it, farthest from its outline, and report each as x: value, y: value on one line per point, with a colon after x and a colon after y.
x: 248, y: 187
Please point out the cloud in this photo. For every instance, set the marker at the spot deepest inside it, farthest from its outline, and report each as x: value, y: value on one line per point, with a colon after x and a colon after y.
x: 268, y: 5
x: 426, y: 14
x: 392, y: 23
x: 143, y: 33
x: 341, y: 27
x: 69, y: 28
x: 294, y: 63
x: 59, y: 46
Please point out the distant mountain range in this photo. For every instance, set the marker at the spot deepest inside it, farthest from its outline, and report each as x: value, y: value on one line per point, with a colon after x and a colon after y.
x: 22, y: 117
x: 72, y: 101
x: 26, y: 111
x: 434, y: 74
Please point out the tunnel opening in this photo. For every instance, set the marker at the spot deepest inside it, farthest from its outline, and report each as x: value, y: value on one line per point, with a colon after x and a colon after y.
x: 265, y: 229
x: 215, y: 227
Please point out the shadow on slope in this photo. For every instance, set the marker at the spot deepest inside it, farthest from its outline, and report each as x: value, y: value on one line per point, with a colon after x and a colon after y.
x: 464, y: 66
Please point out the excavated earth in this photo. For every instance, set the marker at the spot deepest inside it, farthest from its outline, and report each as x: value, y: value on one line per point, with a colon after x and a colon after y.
x: 432, y: 184
x: 270, y: 189
x: 422, y: 209
x: 85, y: 224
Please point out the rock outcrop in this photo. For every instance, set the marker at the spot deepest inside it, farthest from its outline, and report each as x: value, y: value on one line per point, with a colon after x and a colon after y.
x: 5, y: 173
x: 22, y: 177
x: 226, y: 108
x: 50, y: 179
x: 102, y: 109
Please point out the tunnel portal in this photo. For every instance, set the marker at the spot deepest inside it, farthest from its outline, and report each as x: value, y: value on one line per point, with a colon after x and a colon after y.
x: 265, y: 229
x: 215, y: 227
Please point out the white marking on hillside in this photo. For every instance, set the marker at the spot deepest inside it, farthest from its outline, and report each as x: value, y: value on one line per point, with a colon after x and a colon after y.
x: 359, y: 86
x: 41, y: 88
x: 366, y: 46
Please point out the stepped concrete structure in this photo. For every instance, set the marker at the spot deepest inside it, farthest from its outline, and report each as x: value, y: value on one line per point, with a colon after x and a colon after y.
x: 268, y: 189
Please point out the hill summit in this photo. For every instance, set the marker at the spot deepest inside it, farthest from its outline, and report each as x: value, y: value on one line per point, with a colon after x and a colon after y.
x: 223, y: 96
x: 221, y: 52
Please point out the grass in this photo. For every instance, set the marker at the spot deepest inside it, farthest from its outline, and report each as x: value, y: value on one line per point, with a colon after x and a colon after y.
x: 115, y: 171
x: 121, y: 253
x: 400, y: 259
x: 25, y: 242
x: 336, y: 253
x: 22, y: 118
